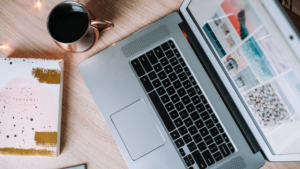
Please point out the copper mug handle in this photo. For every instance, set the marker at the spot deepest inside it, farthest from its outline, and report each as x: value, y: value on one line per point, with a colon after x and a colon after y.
x: 109, y: 24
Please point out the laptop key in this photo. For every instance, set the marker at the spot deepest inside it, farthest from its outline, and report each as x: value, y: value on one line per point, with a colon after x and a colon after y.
x: 195, y: 116
x: 225, y: 137
x: 187, y: 84
x: 137, y: 67
x: 203, y: 99
x: 178, y: 69
x: 187, y: 138
x: 186, y: 100
x: 196, y: 100
x: 175, y: 98
x: 192, y: 80
x: 192, y: 146
x: 152, y: 75
x: 175, y: 135
x: 162, y: 111
x: 146, y: 83
x: 184, y: 114
x: 182, y: 130
x: 159, y: 53
x: 202, y: 146
x: 179, y: 143
x: 214, y: 117
x: 218, y: 156
x: 208, y: 140
x: 187, y: 161
x: 162, y: 75
x: 172, y: 76
x: 165, y: 46
x: 152, y: 58
x: 173, y: 61
x: 198, y: 90
x: 208, y: 158
x: 214, y: 132
x: 169, y: 106
x: 187, y: 71
x: 199, y: 160
x: 157, y: 67
x: 200, y: 107
x: 182, y: 153
x: 169, y: 54
x: 156, y: 83
x: 145, y: 63
x: 181, y: 92
x: 179, y: 106
x: 168, y: 69
x: 178, y: 122
x: 171, y: 43
x: 213, y: 148
x: 166, y: 83
x: 203, y: 132
x: 197, y: 138
x: 174, y: 114
x: 209, y: 123
x: 165, y: 98
x: 164, y: 61
x: 204, y: 115
x: 193, y: 130
x: 199, y: 123
x: 177, y: 53
x: 191, y: 159
x: 181, y: 62
x: 190, y: 108
x: 161, y: 91
x: 177, y: 84
x: 220, y: 128
x: 170, y: 90
x: 224, y: 150
x: 182, y: 76
x: 191, y: 92
x: 231, y: 148
x: 218, y: 139
x: 210, y: 111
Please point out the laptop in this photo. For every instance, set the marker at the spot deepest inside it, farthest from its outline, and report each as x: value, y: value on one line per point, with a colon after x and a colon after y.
x: 216, y: 85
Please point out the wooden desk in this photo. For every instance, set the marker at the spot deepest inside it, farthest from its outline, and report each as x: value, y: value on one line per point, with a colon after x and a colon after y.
x: 85, y: 136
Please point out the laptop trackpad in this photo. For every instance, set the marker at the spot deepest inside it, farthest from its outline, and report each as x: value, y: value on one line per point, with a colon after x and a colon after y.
x: 137, y: 129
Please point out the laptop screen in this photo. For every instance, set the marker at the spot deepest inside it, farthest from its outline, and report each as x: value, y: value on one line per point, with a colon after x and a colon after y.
x: 259, y: 64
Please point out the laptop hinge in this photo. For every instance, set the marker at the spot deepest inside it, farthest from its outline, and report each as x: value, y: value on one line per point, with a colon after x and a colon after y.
x: 220, y: 87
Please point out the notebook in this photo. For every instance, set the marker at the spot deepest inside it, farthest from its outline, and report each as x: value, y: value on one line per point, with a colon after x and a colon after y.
x: 30, y: 106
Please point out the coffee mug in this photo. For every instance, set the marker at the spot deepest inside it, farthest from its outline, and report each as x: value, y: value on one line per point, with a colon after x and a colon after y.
x: 72, y: 28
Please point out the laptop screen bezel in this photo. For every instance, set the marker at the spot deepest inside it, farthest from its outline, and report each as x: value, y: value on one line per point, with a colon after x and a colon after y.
x: 278, y: 17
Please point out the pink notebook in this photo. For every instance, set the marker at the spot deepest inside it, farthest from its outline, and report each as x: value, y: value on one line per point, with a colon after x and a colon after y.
x: 30, y: 106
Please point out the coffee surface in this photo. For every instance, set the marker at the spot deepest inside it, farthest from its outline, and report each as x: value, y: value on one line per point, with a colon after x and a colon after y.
x: 68, y: 24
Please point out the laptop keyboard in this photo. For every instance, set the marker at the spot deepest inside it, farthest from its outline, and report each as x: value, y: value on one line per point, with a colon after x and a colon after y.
x: 184, y: 110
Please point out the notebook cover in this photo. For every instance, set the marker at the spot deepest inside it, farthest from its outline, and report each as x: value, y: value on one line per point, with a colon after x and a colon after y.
x: 30, y: 106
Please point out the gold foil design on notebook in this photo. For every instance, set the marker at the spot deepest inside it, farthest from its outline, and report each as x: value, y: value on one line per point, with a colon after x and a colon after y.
x: 49, y: 76
x: 60, y: 64
x: 48, y: 139
x: 26, y: 152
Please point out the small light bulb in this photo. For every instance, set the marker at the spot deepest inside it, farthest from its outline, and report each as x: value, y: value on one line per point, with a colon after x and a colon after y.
x: 3, y: 46
x: 39, y: 3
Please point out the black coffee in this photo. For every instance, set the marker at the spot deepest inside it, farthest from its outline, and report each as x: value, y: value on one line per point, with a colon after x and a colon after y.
x: 68, y: 23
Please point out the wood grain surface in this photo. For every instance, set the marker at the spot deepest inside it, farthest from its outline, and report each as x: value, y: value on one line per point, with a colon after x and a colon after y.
x: 85, y: 137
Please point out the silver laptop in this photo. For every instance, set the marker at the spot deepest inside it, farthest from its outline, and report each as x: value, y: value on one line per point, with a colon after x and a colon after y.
x: 216, y: 86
